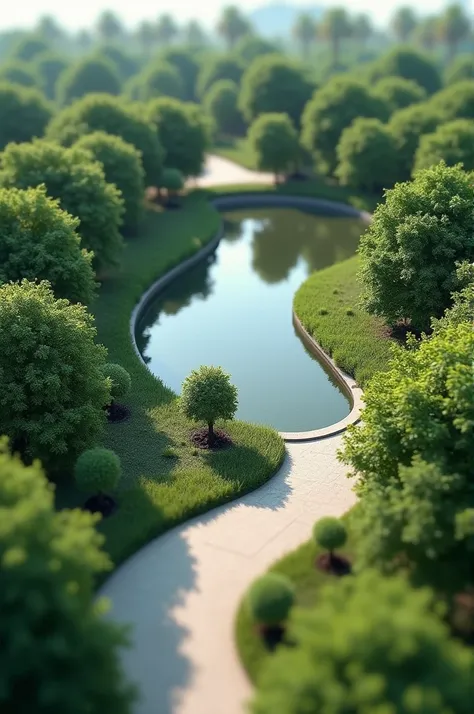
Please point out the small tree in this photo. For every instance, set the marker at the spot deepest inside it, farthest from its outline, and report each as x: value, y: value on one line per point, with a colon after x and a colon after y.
x: 97, y: 470
x: 120, y: 380
x: 270, y: 599
x: 78, y: 182
x: 125, y: 64
x: 122, y: 165
x: 187, y: 66
x: 172, y: 181
x: 90, y: 75
x: 410, y: 64
x: 367, y: 156
x: 59, y: 653
x: 330, y: 533
x: 410, y: 252
x: 452, y: 143
x: 24, y: 114
x: 459, y: 69
x: 20, y: 73
x: 220, y: 103
x: 216, y: 68
x: 455, y: 101
x: 39, y: 241
x: 52, y: 389
x: 159, y: 79
x: 399, y: 93
x: 274, y: 143
x: 208, y: 395
x: 100, y: 112
x: 50, y: 67
x: 407, y: 126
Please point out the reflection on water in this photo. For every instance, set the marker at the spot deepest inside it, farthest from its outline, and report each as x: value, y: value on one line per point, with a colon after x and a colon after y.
x: 235, y: 310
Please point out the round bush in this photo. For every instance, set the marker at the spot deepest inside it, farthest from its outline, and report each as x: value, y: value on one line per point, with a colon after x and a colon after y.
x: 171, y: 180
x: 88, y: 76
x: 217, y: 68
x: 50, y: 67
x: 462, y: 67
x: 120, y: 378
x: 270, y: 599
x: 274, y: 143
x: 410, y: 64
x: 29, y: 47
x: 330, y: 533
x: 399, y: 92
x: 452, y: 143
x: 24, y: 114
x: 160, y: 79
x: 407, y: 126
x: 97, y: 470
x: 187, y: 66
x: 455, y: 102
x: 220, y: 103
x: 18, y: 72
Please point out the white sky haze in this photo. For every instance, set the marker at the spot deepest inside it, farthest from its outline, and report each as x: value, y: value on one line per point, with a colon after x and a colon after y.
x: 76, y: 15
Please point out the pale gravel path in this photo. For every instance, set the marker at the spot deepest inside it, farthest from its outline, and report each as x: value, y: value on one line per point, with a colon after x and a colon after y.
x: 220, y: 172
x: 180, y: 593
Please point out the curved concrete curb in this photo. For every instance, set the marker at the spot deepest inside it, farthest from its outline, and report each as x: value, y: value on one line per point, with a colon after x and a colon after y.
x: 242, y: 200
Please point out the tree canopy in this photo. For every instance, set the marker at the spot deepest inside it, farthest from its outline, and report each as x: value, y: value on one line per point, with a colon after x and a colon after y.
x: 187, y: 67
x: 398, y: 92
x: 455, y: 101
x: 24, y: 114
x: 18, y: 72
x: 452, y: 143
x: 50, y: 67
x: 462, y: 67
x: 216, y: 68
x: 274, y: 142
x: 220, y: 103
x: 208, y: 395
x: 88, y: 76
x: 408, y: 63
x: 158, y: 79
x: 407, y: 126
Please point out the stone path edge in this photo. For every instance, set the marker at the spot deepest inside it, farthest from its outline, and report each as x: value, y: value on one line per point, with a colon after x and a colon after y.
x: 261, y: 200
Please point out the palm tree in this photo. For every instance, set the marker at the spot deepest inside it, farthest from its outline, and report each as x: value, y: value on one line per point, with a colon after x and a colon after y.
x: 454, y: 27
x: 404, y: 23
x: 304, y: 32
x: 193, y: 34
x: 427, y: 32
x: 362, y: 29
x: 336, y: 26
x: 109, y: 27
x: 48, y: 28
x: 232, y: 25
x: 166, y: 29
x: 146, y: 36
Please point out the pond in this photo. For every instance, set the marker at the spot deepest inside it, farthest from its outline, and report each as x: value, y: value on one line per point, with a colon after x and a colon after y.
x: 235, y: 310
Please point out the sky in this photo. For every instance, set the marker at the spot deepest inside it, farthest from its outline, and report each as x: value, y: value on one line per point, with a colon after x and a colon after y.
x: 76, y: 15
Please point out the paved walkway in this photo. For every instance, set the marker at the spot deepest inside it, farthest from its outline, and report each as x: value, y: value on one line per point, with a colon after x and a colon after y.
x: 180, y: 593
x: 220, y: 171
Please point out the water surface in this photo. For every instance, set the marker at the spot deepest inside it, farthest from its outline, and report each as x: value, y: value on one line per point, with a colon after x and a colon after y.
x: 235, y: 310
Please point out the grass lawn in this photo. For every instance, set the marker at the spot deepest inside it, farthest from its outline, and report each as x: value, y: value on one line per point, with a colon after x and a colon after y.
x: 299, y: 567
x: 159, y: 491
x: 236, y: 150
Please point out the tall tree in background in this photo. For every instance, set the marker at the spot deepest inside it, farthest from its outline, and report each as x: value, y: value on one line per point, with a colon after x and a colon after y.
x: 454, y: 27
x: 193, y: 34
x: 84, y: 40
x: 109, y: 26
x: 403, y: 24
x: 48, y: 28
x: 166, y: 29
x: 427, y: 32
x: 336, y: 27
x: 304, y: 32
x: 146, y: 36
x: 362, y: 29
x: 232, y: 25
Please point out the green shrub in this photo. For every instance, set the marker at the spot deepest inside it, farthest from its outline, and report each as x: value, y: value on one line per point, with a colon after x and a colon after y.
x: 97, y: 470
x: 462, y: 67
x: 121, y: 381
x: 50, y: 67
x: 24, y: 114
x: 274, y: 143
x: 270, y: 599
x: 207, y: 395
x: 367, y: 156
x: 21, y: 73
x: 159, y: 79
x: 452, y: 143
x: 407, y: 126
x: 410, y: 64
x: 216, y: 68
x: 220, y: 103
x: 187, y: 66
x: 90, y: 75
x: 330, y: 533
x: 455, y: 102
x: 172, y: 180
x: 29, y: 47
x: 399, y: 93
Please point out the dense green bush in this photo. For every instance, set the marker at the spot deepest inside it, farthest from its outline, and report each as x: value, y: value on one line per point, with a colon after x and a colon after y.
x: 18, y: 72
x: 78, y: 182
x: 274, y: 143
x: 367, y: 156
x: 274, y: 84
x: 50, y: 67
x: 330, y: 533
x: 407, y: 126
x: 184, y: 133
x: 100, y: 112
x: 270, y: 599
x: 220, y: 103
x: 249, y: 47
x: 332, y: 109
x: 370, y: 644
x: 399, y: 93
x: 462, y: 67
x: 125, y: 64
x: 89, y: 75
x: 455, y: 102
x: 452, y: 143
x: 97, y: 470
x: 171, y: 180
x: 24, y: 114
x: 122, y: 166
x: 60, y: 654
x: 208, y: 395
x: 52, y: 389
x: 159, y: 79
x: 29, y: 47
x: 410, y: 64
x: 185, y: 63
x: 39, y: 241
x: 410, y: 251
x: 120, y: 380
x: 216, y: 68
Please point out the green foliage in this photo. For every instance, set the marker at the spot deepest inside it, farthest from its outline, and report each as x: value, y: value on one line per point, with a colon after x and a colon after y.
x: 18, y: 72
x: 50, y: 67
x: 399, y: 93
x: 452, y: 143
x: 232, y: 25
x: 332, y: 109
x: 270, y: 599
x: 158, y: 79
x: 24, y: 114
x: 410, y: 64
x: 125, y: 65
x: 370, y: 644
x: 216, y: 68
x: 97, y: 470
x: 274, y: 84
x: 410, y: 251
x: 220, y: 103
x: 184, y: 62
x: 207, y: 395
x: 455, y: 102
x: 171, y: 180
x: 407, y: 126
x: 29, y: 47
x: 59, y: 653
x: 461, y: 68
x: 78, y: 182
x: 122, y: 166
x: 88, y: 76
x: 367, y: 156
x: 184, y: 133
x: 330, y: 533
x: 249, y: 47
x: 38, y: 241
x: 120, y: 379
x: 52, y: 389
x: 275, y: 143
x: 100, y: 112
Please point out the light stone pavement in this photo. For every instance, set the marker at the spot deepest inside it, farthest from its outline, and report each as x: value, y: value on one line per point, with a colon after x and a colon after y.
x: 220, y: 172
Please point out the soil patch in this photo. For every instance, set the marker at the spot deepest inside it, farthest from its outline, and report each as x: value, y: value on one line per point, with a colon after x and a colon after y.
x: 101, y: 503
x: 117, y: 413
x: 334, y: 564
x: 200, y: 439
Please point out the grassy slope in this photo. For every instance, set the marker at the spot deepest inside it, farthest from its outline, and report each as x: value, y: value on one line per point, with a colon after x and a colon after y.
x: 158, y: 491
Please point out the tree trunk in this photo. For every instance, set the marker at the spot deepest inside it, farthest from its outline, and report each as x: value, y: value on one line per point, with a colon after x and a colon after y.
x: 211, y: 437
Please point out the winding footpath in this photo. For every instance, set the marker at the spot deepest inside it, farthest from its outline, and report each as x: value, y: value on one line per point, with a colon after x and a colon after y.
x: 180, y: 593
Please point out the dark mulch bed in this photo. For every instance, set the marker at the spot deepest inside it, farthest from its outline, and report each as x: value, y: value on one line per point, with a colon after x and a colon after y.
x: 201, y: 440
x: 334, y: 564
x: 101, y: 503
x: 272, y: 636
x: 117, y: 413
